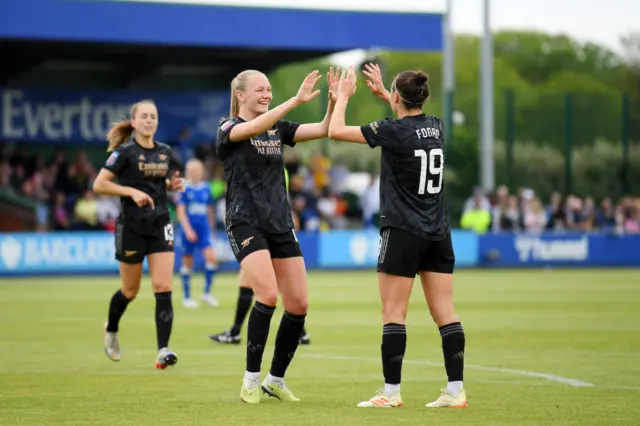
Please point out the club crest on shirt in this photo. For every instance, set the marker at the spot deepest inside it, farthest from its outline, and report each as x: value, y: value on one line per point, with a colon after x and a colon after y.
x: 112, y: 159
x: 272, y: 132
x: 162, y: 157
x: 226, y: 125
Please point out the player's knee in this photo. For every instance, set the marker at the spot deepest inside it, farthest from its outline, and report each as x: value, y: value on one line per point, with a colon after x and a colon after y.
x: 268, y: 297
x: 394, y: 314
x: 130, y: 293
x: 297, y: 305
x: 443, y: 315
x: 162, y: 286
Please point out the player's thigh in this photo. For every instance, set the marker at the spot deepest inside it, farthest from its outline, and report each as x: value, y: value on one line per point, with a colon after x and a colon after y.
x: 258, y: 274
x: 399, y: 252
x: 161, y: 270
x: 436, y: 274
x: 291, y: 275
x: 395, y: 292
x: 131, y: 276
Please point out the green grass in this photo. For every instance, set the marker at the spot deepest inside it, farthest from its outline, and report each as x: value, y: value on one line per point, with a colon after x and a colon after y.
x: 583, y: 325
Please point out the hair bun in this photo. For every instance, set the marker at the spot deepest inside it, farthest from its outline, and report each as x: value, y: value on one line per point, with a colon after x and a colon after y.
x: 420, y: 78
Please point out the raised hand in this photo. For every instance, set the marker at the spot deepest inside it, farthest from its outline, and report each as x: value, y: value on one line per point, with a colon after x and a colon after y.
x: 347, y: 83
x: 333, y: 78
x: 306, y: 92
x: 375, y: 84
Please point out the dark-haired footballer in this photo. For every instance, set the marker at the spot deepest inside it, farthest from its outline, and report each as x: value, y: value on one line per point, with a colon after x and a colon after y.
x: 415, y: 234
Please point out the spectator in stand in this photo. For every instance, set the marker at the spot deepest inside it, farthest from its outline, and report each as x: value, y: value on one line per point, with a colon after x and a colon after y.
x: 477, y: 218
x: 535, y: 218
x: 61, y: 220
x: 86, y: 212
x: 606, y: 217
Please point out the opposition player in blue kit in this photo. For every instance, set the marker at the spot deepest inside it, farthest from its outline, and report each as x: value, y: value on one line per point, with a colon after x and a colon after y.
x: 194, y: 209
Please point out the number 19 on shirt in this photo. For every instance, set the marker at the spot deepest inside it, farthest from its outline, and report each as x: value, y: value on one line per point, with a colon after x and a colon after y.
x: 429, y: 166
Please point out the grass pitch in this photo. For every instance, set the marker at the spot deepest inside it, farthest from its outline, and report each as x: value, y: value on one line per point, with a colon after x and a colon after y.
x: 543, y: 347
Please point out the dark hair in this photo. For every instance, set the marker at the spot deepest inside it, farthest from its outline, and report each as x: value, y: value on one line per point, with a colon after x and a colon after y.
x: 412, y: 87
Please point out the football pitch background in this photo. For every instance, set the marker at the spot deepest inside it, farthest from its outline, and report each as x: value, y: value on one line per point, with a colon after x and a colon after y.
x: 543, y: 347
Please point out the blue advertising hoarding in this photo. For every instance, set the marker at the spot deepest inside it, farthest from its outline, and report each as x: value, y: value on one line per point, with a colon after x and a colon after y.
x: 584, y: 250
x: 359, y: 249
x: 93, y: 252
x: 58, y: 116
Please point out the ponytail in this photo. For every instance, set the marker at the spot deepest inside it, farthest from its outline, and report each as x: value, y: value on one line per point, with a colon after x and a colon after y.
x: 121, y: 131
x: 238, y: 83
x: 118, y: 134
x: 235, y: 104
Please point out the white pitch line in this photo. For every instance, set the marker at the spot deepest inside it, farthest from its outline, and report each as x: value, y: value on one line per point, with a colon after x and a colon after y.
x: 559, y: 379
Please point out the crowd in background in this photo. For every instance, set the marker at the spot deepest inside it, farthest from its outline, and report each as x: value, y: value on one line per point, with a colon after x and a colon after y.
x: 524, y: 211
x: 321, y: 198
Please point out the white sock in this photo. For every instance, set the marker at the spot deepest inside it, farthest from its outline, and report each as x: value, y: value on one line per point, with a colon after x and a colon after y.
x: 255, y: 377
x: 391, y: 390
x: 454, y: 388
x: 274, y: 380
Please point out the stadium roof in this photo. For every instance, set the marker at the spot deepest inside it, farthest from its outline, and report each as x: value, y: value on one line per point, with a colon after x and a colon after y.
x: 131, y: 39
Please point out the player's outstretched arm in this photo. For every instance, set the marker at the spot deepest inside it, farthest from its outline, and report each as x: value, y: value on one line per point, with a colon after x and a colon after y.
x: 264, y: 122
x: 311, y: 131
x: 338, y: 129
x: 375, y: 84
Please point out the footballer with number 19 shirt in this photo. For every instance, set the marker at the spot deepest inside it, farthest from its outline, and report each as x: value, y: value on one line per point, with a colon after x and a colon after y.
x: 415, y: 235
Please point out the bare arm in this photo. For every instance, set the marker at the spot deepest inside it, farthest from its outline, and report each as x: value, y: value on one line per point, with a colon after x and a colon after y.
x: 262, y: 123
x: 311, y: 131
x: 181, y: 214
x: 337, y: 127
x: 103, y: 185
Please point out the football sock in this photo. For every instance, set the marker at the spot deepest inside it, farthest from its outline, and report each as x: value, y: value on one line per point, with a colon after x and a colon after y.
x: 258, y: 332
x: 287, y: 341
x: 117, y: 306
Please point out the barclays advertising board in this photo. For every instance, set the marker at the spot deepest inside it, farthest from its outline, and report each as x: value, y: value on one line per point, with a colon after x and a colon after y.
x: 78, y: 252
x: 79, y: 116
x: 359, y: 249
x: 94, y: 253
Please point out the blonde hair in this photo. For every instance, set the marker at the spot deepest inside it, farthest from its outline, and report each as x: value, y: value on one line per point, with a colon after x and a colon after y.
x: 238, y: 83
x: 122, y: 130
